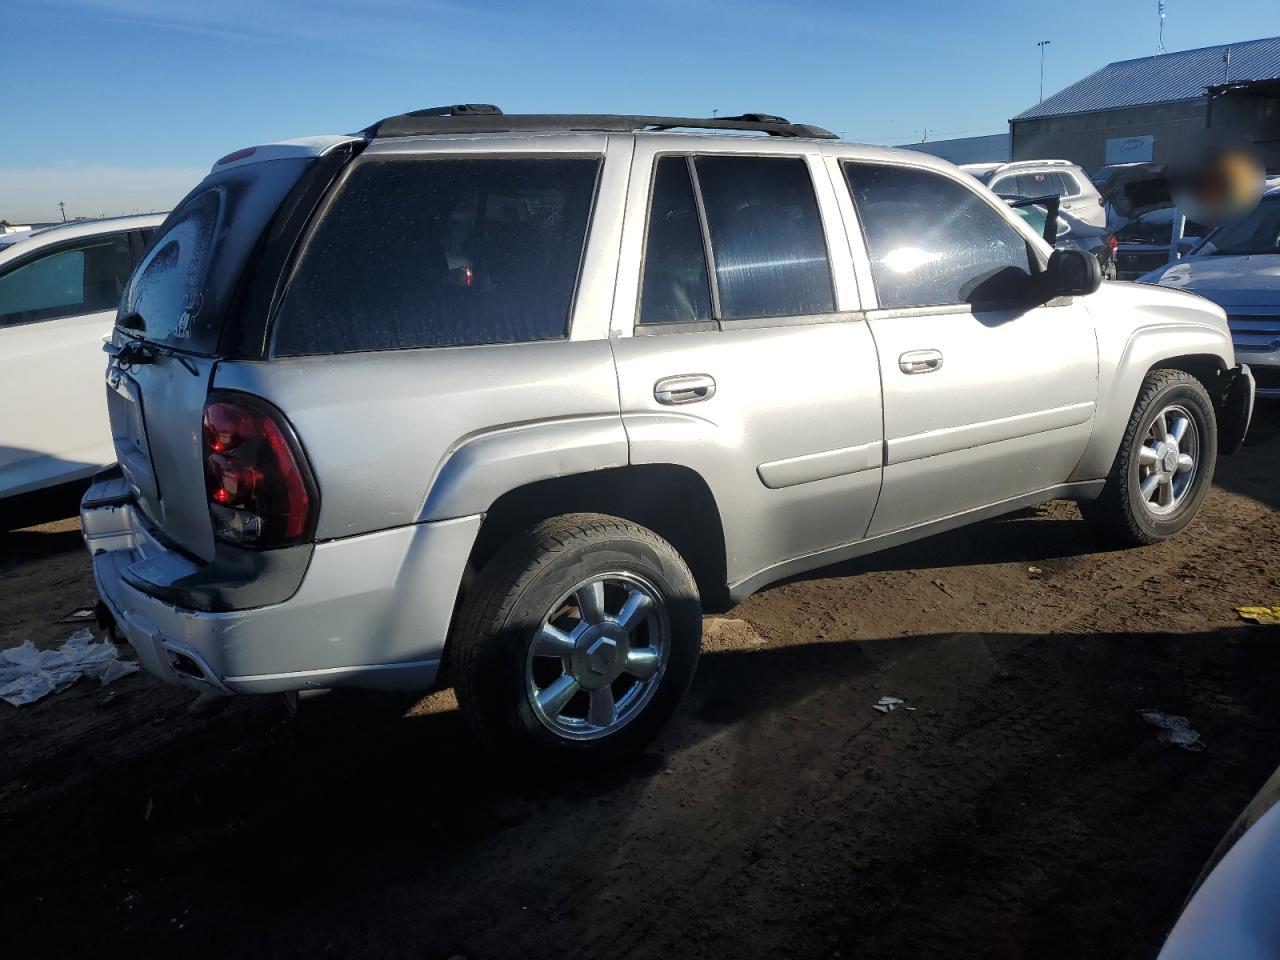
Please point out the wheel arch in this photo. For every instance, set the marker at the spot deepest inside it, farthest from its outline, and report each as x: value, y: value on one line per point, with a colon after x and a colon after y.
x: 673, y: 501
x: 1203, y: 351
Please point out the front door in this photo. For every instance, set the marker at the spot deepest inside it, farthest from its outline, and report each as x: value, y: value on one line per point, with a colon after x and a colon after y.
x: 986, y: 397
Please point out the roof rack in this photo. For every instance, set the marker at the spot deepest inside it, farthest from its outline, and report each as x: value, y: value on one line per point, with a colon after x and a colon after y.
x: 486, y: 118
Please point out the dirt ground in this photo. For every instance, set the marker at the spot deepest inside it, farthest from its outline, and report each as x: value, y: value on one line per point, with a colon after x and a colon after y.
x: 1019, y: 808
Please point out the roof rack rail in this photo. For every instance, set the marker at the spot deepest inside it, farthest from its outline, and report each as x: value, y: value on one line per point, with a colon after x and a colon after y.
x: 486, y: 118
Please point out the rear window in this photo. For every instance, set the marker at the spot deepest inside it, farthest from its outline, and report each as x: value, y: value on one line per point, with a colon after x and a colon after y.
x: 181, y: 290
x: 429, y: 252
x: 1042, y: 183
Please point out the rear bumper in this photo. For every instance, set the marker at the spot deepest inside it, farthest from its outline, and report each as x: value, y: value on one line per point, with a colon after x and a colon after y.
x: 372, y: 611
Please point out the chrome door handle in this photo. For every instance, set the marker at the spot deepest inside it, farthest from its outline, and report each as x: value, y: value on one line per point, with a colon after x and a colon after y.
x: 686, y: 388
x: 920, y: 361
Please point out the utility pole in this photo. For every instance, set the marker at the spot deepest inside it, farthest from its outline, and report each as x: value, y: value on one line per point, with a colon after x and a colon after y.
x: 62, y: 208
x: 715, y: 113
x: 1042, y: 44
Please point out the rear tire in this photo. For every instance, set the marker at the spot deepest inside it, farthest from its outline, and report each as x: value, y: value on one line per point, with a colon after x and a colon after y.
x: 1164, y: 466
x: 577, y: 641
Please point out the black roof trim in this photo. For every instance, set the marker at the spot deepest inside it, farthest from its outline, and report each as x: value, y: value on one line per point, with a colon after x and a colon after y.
x: 486, y: 118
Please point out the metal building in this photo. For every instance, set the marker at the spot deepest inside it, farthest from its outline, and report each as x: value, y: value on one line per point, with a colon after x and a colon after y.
x: 1145, y: 109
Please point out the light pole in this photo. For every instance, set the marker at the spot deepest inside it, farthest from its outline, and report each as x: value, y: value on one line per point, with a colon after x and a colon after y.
x: 1042, y: 44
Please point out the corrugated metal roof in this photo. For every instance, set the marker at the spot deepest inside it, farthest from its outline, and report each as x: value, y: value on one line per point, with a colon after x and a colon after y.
x: 1164, y: 78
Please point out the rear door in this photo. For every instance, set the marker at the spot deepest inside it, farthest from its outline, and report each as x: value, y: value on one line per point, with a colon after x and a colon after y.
x: 56, y: 307
x: 987, y: 395
x: 739, y: 348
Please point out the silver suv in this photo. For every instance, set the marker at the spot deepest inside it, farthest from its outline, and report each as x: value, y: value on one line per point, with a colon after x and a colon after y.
x: 509, y: 401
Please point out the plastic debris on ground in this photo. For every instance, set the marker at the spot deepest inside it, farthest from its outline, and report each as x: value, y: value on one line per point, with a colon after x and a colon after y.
x: 28, y: 674
x: 79, y: 615
x: 885, y: 704
x: 1269, y: 616
x: 1174, y: 730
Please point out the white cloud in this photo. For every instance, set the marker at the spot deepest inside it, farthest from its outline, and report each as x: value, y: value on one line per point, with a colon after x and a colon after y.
x: 31, y: 194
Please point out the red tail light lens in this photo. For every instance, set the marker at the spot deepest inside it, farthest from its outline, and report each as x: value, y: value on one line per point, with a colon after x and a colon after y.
x: 261, y: 493
x: 1111, y: 242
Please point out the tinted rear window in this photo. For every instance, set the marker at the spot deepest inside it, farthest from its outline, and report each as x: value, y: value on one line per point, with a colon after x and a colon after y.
x: 180, y: 292
x: 417, y: 252
x: 766, y: 236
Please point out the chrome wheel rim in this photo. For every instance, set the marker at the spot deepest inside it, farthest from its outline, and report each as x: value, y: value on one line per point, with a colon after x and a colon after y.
x: 1168, y: 460
x: 598, y: 656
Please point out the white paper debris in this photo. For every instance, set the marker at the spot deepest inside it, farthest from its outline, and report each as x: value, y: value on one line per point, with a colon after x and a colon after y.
x: 27, y: 674
x: 1174, y: 730
x: 885, y: 704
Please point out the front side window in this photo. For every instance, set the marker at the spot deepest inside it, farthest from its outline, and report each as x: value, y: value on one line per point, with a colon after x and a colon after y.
x: 934, y: 241
x: 766, y: 236
x: 676, y: 289
x: 424, y: 252
x: 85, y: 278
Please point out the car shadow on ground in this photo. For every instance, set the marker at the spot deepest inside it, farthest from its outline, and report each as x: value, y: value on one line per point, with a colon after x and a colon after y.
x: 354, y: 819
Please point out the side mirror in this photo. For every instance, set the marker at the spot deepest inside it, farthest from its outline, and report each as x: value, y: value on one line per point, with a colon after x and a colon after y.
x: 1072, y: 273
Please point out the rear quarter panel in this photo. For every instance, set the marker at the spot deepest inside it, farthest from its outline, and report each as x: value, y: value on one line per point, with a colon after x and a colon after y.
x: 378, y: 428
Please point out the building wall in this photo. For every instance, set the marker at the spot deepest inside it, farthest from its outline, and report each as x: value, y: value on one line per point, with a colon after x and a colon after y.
x: 1082, y: 137
x: 1255, y: 114
x: 993, y: 148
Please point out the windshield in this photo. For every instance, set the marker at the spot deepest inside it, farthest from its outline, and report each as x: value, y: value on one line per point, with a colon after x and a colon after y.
x: 179, y: 293
x: 1257, y: 233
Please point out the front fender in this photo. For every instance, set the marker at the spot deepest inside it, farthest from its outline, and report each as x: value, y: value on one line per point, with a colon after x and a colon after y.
x: 1173, y: 332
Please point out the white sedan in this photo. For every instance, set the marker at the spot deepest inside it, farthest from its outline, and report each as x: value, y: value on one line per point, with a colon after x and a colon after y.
x: 59, y: 288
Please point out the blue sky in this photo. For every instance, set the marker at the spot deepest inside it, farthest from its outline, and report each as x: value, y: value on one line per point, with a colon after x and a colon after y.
x: 115, y: 105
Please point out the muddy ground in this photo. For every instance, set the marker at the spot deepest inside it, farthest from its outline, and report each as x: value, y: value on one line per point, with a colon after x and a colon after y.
x: 1020, y: 808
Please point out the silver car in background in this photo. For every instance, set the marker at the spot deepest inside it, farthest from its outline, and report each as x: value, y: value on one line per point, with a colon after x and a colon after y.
x: 509, y: 401
x: 1238, y: 268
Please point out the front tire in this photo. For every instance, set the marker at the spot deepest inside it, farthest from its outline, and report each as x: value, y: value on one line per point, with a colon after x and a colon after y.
x: 1164, y: 466
x: 578, y: 640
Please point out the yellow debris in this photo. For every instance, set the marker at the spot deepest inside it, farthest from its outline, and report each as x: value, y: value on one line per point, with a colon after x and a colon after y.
x: 1267, y: 615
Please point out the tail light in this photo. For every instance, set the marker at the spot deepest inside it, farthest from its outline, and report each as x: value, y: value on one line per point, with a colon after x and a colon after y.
x: 1111, y: 242
x: 261, y: 492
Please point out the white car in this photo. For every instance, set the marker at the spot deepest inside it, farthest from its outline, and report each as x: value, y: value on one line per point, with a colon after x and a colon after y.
x: 1081, y: 206
x: 59, y: 288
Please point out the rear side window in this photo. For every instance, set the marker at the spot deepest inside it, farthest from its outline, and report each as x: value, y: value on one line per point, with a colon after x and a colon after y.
x: 85, y: 278
x: 416, y: 252
x: 766, y: 236
x: 934, y: 241
x: 676, y: 289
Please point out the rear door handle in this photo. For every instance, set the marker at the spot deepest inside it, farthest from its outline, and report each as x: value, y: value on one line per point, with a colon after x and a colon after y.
x: 686, y: 388
x: 920, y: 361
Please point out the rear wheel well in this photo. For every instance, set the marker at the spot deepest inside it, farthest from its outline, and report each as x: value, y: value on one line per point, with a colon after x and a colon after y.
x: 672, y: 501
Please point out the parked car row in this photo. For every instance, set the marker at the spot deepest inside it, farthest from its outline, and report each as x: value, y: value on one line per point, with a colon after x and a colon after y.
x: 1081, y: 215
x: 510, y: 400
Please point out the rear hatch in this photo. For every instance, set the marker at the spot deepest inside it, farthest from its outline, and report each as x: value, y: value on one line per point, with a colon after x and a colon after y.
x: 189, y: 303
